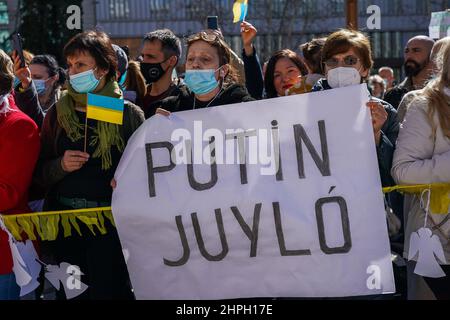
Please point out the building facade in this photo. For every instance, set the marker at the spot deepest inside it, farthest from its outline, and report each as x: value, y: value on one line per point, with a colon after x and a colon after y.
x: 280, y: 23
x: 8, y: 22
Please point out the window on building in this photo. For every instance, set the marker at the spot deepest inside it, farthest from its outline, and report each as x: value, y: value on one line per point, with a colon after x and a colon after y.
x: 194, y: 9
x: 394, y: 7
x: 159, y: 5
x: 363, y: 5
x: 309, y: 8
x: 278, y: 8
x: 397, y: 48
x: 268, y: 44
x: 4, y: 18
x: 337, y: 7
x: 159, y: 9
x: 375, y: 39
x: 236, y: 44
x: 224, y: 4
x: 423, y: 7
x: 387, y: 47
x: 5, y: 41
x: 119, y: 9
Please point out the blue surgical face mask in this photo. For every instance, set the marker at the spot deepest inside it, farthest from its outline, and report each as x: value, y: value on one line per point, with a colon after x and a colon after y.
x: 40, y: 86
x: 16, y: 82
x: 122, y: 80
x: 84, y: 82
x: 201, y: 81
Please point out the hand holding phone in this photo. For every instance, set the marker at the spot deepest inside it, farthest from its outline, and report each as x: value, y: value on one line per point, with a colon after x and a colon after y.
x: 18, y: 47
x: 21, y: 71
x: 23, y: 74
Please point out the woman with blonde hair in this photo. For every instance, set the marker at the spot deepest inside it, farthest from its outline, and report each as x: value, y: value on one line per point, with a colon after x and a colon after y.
x: 423, y: 157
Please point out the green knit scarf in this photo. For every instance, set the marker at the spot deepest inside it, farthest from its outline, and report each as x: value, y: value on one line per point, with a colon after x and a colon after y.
x: 105, y: 135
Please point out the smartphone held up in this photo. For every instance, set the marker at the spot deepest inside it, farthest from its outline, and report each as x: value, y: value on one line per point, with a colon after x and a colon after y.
x: 18, y: 48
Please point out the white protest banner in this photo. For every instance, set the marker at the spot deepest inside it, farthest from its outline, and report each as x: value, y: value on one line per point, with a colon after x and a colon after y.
x: 307, y: 220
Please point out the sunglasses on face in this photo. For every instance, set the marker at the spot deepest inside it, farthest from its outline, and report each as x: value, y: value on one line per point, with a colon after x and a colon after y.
x: 348, y: 61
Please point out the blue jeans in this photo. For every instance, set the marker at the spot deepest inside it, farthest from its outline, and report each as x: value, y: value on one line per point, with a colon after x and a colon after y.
x: 9, y: 290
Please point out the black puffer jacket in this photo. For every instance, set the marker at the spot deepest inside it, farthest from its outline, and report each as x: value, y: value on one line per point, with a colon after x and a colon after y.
x: 174, y: 91
x: 185, y: 100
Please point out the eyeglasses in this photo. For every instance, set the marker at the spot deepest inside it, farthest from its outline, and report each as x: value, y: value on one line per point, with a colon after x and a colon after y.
x: 349, y: 61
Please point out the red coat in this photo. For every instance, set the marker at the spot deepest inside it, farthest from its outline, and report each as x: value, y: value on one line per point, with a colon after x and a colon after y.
x: 19, y: 151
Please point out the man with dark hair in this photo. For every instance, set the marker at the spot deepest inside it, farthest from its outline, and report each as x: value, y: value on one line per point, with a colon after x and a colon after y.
x: 418, y: 69
x: 160, y: 52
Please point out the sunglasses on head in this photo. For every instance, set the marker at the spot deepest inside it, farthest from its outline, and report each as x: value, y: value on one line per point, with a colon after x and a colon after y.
x: 349, y: 61
x: 206, y: 36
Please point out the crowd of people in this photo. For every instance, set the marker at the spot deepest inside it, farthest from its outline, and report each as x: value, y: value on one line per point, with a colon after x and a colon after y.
x: 43, y: 110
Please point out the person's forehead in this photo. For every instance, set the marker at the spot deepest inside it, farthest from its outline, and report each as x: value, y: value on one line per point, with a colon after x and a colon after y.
x: 350, y: 51
x: 80, y: 56
x: 283, y: 63
x: 38, y: 69
x: 153, y: 47
x: 420, y: 44
x: 202, y: 47
x: 386, y: 72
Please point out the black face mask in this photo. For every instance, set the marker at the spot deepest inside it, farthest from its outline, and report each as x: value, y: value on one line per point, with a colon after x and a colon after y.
x: 152, y: 72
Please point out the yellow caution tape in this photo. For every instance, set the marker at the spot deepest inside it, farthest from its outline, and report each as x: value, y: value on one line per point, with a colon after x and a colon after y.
x: 439, y: 199
x: 46, y: 225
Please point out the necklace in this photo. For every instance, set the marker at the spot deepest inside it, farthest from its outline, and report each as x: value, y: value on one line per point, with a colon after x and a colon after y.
x: 209, y: 103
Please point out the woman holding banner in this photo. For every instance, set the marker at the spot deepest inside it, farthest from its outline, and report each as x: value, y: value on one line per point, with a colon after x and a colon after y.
x: 347, y: 59
x: 423, y: 157
x: 78, y: 160
x: 19, y: 150
x: 210, y: 78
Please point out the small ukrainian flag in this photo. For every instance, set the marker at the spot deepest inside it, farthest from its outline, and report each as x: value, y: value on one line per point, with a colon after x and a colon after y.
x: 240, y: 9
x: 104, y: 108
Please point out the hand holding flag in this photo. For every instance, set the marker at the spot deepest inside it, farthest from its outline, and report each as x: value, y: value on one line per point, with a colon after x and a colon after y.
x: 240, y: 10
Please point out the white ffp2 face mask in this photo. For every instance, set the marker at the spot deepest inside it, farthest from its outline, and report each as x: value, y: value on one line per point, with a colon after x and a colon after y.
x: 343, y: 77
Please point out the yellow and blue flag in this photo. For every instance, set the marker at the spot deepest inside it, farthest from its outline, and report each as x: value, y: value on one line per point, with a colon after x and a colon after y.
x: 104, y: 108
x: 240, y: 9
